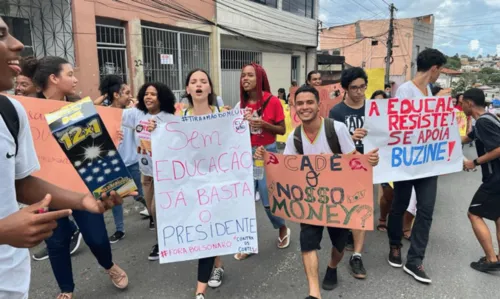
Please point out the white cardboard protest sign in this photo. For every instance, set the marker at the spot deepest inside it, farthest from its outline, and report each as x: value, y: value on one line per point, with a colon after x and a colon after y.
x: 416, y: 138
x: 204, y: 189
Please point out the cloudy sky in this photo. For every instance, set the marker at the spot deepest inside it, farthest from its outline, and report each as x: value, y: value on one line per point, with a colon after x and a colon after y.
x: 469, y: 27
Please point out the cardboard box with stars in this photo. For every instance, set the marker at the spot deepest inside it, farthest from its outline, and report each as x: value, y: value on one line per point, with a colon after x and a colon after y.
x: 80, y: 132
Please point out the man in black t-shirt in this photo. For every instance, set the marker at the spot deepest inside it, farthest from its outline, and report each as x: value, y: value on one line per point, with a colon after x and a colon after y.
x: 351, y: 112
x: 486, y: 201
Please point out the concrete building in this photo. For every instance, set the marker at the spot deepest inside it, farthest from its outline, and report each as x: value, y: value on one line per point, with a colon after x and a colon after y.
x: 364, y: 43
x: 447, y: 77
x: 162, y: 40
x: 281, y: 35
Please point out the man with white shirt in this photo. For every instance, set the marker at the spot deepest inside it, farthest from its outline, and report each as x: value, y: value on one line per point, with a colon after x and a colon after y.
x: 21, y: 229
x: 429, y: 64
x: 317, y: 135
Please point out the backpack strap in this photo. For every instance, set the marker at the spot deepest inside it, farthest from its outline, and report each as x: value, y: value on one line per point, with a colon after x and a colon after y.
x: 297, y: 140
x: 10, y: 117
x: 331, y: 136
x: 261, y: 109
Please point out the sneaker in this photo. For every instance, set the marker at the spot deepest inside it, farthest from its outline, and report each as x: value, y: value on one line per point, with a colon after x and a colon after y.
x: 330, y: 280
x: 216, y: 278
x: 395, y: 257
x: 65, y: 296
x: 350, y: 242
x: 116, y: 237
x: 41, y: 255
x: 417, y: 272
x: 483, y: 265
x: 154, y: 256
x: 118, y: 277
x: 357, y: 268
x: 199, y: 296
x: 74, y: 244
x: 151, y: 223
x: 144, y: 212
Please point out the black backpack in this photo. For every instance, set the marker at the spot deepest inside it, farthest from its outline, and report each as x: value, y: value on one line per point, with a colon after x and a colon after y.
x: 331, y: 137
x: 10, y: 117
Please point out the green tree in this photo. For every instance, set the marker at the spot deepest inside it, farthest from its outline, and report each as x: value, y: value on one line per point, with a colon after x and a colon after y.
x: 494, y: 78
x: 453, y: 62
x: 465, y: 82
x: 488, y: 71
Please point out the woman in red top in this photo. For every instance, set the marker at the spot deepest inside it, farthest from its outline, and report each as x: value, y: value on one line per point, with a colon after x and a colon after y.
x: 267, y: 119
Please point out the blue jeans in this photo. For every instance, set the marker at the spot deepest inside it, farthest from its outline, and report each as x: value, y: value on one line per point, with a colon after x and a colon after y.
x: 261, y: 187
x: 118, y: 210
x: 94, y: 233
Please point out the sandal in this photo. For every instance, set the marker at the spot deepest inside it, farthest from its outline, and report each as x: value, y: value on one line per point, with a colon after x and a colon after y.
x: 407, y: 234
x: 242, y: 256
x: 287, y: 238
x: 382, y: 227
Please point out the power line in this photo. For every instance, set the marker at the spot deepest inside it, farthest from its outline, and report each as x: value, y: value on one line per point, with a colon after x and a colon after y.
x: 386, y: 3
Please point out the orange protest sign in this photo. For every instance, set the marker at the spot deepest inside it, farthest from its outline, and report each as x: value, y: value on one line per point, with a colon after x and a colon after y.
x: 329, y: 95
x: 324, y: 190
x: 54, y: 165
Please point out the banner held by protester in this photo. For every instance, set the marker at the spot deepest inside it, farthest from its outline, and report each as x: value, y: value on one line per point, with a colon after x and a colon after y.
x: 55, y: 167
x: 416, y: 138
x: 323, y: 190
x: 204, y: 188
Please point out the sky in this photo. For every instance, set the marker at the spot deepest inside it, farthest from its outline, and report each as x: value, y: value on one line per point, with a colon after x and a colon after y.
x: 470, y: 27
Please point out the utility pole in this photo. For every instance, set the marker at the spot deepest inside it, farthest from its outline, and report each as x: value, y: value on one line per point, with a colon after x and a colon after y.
x: 388, y: 58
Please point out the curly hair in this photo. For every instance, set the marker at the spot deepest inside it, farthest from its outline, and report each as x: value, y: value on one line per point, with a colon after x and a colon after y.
x: 165, y: 97
x: 28, y: 66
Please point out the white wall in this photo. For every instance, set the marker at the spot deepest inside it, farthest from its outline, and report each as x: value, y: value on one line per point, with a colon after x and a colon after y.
x: 266, y: 23
x: 278, y: 68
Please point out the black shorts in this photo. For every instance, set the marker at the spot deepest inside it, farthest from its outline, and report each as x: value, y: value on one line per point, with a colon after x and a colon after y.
x: 311, y: 235
x: 485, y: 203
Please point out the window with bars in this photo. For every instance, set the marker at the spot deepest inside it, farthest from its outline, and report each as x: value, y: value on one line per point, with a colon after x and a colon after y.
x: 20, y: 29
x: 112, y: 51
x: 303, y: 8
x: 272, y: 3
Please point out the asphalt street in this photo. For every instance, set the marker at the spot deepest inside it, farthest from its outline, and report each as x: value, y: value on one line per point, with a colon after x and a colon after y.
x: 279, y: 274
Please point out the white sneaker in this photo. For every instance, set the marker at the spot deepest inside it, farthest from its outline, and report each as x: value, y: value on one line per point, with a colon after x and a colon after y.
x: 216, y: 279
x: 144, y: 212
x: 257, y: 196
x: 200, y: 296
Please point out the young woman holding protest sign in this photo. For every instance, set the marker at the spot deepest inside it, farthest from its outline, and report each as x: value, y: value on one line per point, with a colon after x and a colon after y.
x: 54, y: 76
x: 155, y: 101
x: 202, y: 100
x: 265, y: 113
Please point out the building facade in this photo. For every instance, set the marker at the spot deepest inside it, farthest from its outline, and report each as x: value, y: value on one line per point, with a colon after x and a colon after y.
x: 162, y: 40
x: 281, y: 35
x: 364, y: 43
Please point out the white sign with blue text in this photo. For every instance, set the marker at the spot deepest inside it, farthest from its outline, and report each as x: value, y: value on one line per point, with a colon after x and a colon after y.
x: 416, y: 138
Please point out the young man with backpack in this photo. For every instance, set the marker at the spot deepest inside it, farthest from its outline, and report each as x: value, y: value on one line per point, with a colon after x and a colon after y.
x: 26, y: 228
x: 485, y: 203
x: 316, y: 136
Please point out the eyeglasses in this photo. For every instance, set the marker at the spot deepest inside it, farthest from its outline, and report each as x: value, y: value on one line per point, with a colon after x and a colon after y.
x: 357, y: 88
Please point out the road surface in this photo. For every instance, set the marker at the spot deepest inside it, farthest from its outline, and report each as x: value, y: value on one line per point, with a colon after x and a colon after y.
x: 279, y: 274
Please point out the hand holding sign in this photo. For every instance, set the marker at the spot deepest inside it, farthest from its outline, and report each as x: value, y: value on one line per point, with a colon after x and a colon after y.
x: 373, y: 157
x: 359, y: 134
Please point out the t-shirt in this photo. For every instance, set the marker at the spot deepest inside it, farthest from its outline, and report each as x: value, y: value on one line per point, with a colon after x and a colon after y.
x: 320, y: 144
x: 138, y: 120
x: 15, y: 268
x: 410, y: 90
x: 273, y: 114
x: 352, y: 118
x: 486, y: 133
x: 128, y: 148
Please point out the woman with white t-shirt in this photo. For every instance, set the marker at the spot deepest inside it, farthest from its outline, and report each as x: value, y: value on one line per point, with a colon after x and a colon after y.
x: 155, y: 101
